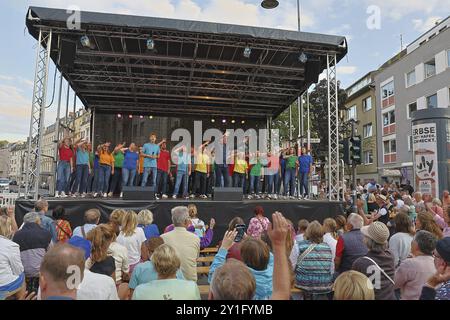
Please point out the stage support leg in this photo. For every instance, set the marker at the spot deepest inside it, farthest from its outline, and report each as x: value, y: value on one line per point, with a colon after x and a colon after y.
x: 33, y: 157
x: 333, y: 126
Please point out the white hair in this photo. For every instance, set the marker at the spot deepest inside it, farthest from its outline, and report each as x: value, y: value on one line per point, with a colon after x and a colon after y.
x: 31, y: 217
x: 355, y: 220
x: 180, y: 215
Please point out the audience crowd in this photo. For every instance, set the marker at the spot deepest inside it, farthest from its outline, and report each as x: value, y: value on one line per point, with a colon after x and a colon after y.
x: 395, y: 246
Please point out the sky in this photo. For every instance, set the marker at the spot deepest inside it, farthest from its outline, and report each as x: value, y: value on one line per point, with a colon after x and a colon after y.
x: 373, y: 29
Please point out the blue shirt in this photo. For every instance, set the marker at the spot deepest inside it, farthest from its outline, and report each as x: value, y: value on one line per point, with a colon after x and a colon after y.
x: 130, y: 160
x: 49, y: 225
x: 145, y: 272
x: 150, y: 230
x: 87, y: 227
x: 305, y: 162
x: 152, y: 150
x: 183, y: 161
x: 81, y: 243
x: 82, y: 157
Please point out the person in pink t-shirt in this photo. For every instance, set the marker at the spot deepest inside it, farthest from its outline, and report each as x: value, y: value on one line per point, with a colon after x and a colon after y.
x: 258, y: 224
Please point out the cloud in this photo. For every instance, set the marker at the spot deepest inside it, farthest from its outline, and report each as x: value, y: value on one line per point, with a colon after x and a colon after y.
x: 346, y: 70
x: 14, y: 110
x: 425, y: 25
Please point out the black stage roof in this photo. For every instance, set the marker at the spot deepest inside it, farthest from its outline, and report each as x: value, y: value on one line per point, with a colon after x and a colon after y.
x: 195, y: 67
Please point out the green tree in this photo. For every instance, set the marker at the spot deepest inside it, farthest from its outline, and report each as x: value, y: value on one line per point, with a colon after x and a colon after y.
x: 3, y: 143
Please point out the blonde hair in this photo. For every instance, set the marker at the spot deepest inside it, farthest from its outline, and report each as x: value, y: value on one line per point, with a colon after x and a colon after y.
x: 166, y: 261
x: 314, y: 232
x: 353, y: 285
x: 100, y: 238
x: 330, y: 225
x: 129, y: 223
x: 116, y: 216
x: 145, y: 217
x: 5, y: 227
x: 192, y: 208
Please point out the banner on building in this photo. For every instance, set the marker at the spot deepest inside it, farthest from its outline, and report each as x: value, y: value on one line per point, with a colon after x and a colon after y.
x: 426, y: 177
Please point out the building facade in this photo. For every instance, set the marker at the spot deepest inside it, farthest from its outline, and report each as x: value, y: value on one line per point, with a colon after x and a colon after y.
x: 17, y: 162
x: 419, y: 78
x: 360, y: 106
x: 4, y: 162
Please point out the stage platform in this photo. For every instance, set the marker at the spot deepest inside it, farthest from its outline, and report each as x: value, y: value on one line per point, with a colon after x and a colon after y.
x: 221, y: 211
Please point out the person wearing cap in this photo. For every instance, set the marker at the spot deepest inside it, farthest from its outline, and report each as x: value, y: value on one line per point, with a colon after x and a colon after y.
x: 382, y: 213
x: 378, y: 264
x: 438, y: 285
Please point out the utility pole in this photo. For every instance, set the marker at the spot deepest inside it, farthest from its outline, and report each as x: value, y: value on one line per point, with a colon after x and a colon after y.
x: 354, y: 171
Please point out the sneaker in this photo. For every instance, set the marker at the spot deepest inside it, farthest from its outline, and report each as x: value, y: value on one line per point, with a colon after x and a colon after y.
x: 76, y: 194
x: 186, y: 198
x: 257, y: 196
x: 95, y: 194
x: 105, y: 195
x: 83, y: 195
x: 306, y: 197
x: 164, y: 196
x: 156, y: 197
x: 121, y: 195
x: 300, y: 197
x: 292, y: 197
x: 275, y: 197
x: 203, y: 196
x: 249, y: 197
x: 110, y: 194
x: 192, y: 196
x: 56, y: 194
x: 63, y: 194
x: 174, y: 196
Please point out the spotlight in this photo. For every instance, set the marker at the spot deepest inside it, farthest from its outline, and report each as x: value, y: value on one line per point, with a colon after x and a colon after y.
x: 141, y: 117
x: 269, y: 4
x: 150, y: 117
x: 85, y: 42
x: 224, y: 121
x: 303, y: 57
x: 119, y: 115
x: 213, y: 120
x: 243, y: 121
x: 130, y: 116
x: 233, y: 121
x: 150, y: 44
x: 247, y: 52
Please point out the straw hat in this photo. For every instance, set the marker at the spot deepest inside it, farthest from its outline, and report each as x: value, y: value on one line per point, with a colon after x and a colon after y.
x: 377, y: 231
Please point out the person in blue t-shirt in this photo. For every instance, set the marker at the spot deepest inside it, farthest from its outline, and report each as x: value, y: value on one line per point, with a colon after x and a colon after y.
x: 130, y: 162
x: 150, y: 151
x: 305, y: 162
x: 183, y: 171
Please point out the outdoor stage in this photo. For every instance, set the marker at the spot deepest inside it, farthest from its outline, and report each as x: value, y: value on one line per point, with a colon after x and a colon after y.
x: 221, y: 211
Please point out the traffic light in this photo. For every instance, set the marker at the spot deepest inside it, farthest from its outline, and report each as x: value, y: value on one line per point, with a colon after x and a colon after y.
x: 344, y: 150
x: 355, y: 149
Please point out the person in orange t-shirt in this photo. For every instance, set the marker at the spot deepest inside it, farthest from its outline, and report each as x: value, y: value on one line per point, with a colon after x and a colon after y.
x: 106, y: 163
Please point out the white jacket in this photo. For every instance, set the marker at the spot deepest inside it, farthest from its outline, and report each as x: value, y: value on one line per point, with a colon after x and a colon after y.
x: 10, y: 263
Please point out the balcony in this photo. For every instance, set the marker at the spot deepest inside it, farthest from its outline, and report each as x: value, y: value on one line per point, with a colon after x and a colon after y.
x: 387, y: 102
x: 389, y: 129
x: 390, y: 158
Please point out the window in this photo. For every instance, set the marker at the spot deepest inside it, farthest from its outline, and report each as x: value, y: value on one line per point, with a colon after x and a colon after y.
x: 410, y: 78
x: 410, y: 109
x: 389, y: 146
x: 367, y: 104
x: 430, y: 68
x: 388, y: 118
x: 432, y: 101
x: 351, y: 113
x: 409, y: 142
x: 368, y: 157
x: 387, y: 90
x: 367, y: 130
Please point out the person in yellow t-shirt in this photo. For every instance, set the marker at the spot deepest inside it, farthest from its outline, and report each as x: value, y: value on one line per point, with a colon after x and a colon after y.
x: 240, y: 170
x: 201, y: 171
x: 106, y: 162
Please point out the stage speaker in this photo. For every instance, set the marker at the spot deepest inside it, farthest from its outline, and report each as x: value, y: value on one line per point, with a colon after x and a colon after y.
x: 312, y: 71
x: 138, y: 193
x: 228, y: 194
x: 68, y: 51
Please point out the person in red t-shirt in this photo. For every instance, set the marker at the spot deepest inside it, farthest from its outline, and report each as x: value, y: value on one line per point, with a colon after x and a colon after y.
x: 65, y: 166
x: 163, y: 165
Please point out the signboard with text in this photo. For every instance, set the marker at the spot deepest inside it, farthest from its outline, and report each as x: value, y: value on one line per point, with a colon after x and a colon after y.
x: 425, y: 158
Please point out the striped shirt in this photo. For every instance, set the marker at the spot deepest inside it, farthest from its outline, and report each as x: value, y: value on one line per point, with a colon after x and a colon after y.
x: 313, y: 272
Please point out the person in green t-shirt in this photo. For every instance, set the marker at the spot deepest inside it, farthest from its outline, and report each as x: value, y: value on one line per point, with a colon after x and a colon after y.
x: 290, y: 172
x: 116, y: 180
x: 255, y: 176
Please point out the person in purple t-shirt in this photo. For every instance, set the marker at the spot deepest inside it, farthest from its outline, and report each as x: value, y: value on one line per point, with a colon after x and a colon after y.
x: 305, y: 162
x: 206, y: 240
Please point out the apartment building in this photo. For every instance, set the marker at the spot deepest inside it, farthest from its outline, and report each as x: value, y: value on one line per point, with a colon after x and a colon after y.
x: 360, y: 106
x: 4, y: 162
x: 17, y: 161
x: 417, y: 78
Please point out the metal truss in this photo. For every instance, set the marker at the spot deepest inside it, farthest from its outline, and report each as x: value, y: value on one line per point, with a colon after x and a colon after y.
x: 33, y: 160
x: 333, y: 129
